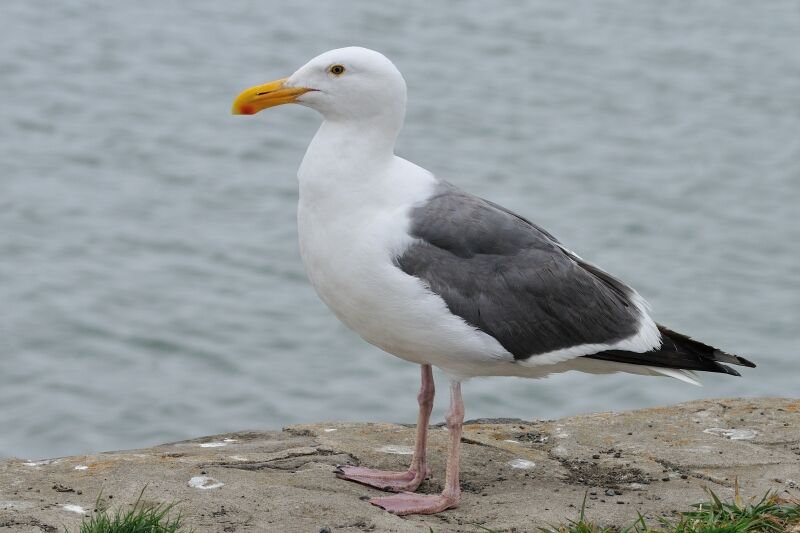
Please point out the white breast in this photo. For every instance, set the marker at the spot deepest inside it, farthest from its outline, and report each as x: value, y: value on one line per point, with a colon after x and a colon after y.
x: 348, y: 240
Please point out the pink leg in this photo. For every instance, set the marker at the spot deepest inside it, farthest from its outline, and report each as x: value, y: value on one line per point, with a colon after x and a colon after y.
x: 410, y: 503
x: 418, y: 471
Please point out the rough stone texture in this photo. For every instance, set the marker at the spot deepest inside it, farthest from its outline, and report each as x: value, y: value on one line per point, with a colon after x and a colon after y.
x: 516, y: 475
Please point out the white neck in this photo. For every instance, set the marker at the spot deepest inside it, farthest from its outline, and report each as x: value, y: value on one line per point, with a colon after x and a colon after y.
x: 344, y: 155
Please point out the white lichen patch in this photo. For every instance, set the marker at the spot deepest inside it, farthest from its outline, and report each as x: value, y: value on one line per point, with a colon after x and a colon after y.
x: 329, y: 430
x: 81, y: 467
x: 15, y: 505
x: 213, y: 444
x: 733, y: 434
x: 205, y: 483
x: 40, y: 463
x: 72, y: 508
x: 228, y: 440
x: 560, y: 433
x: 237, y: 458
x: 521, y: 463
x: 399, y: 450
x: 512, y: 441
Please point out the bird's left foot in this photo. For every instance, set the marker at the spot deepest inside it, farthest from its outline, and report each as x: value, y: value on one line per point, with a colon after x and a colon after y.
x: 383, y: 479
x: 411, y: 503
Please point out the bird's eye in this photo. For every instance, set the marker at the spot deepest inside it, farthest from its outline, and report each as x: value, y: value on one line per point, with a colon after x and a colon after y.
x: 336, y: 70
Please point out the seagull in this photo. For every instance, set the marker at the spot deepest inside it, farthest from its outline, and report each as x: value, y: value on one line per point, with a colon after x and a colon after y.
x: 439, y: 277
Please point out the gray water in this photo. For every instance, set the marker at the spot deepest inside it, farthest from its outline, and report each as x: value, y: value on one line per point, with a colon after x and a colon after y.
x: 150, y: 282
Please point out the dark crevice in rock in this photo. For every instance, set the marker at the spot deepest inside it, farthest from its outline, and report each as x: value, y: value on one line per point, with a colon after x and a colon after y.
x: 12, y: 524
x: 534, y: 437
x: 299, y: 432
x: 296, y: 460
x: 688, y: 472
x: 582, y: 472
x: 467, y: 440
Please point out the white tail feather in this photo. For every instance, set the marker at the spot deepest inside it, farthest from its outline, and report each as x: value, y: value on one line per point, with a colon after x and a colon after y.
x: 687, y: 376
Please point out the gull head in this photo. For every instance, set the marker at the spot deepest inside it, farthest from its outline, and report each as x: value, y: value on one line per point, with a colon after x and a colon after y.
x: 344, y: 84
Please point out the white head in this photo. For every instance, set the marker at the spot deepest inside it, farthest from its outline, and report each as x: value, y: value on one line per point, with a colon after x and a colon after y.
x: 346, y: 84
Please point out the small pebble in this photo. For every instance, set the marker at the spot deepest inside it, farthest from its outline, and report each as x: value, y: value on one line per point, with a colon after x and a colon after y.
x: 664, y: 479
x: 595, y: 456
x: 325, y: 529
x: 609, y: 492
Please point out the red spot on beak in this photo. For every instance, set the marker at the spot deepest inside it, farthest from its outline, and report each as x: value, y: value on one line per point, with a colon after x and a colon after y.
x: 247, y: 109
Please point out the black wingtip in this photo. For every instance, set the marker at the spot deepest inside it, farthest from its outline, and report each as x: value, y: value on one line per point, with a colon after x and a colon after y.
x: 719, y: 355
x: 679, y: 351
x: 746, y: 362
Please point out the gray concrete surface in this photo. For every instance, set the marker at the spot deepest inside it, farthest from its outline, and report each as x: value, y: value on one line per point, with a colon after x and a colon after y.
x: 516, y: 475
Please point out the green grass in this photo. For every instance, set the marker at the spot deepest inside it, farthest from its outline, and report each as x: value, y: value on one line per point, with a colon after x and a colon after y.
x: 140, y: 518
x: 771, y: 514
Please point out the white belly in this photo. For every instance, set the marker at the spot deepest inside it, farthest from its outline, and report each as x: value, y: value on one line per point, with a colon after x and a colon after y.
x: 348, y: 255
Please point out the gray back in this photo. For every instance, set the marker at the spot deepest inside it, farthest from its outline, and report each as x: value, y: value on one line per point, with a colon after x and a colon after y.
x: 511, y: 279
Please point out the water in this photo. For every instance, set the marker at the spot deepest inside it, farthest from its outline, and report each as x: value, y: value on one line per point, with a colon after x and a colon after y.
x: 150, y: 283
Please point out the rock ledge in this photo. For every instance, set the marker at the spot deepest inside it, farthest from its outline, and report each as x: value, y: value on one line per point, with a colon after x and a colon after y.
x: 516, y: 475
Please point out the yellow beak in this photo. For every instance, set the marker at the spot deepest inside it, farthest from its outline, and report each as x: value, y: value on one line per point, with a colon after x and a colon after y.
x: 260, y: 97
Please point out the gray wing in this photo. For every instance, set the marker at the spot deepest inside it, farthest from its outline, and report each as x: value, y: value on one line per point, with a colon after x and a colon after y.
x: 511, y: 279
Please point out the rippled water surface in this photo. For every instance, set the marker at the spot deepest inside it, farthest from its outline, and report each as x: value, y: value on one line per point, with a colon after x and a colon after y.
x: 150, y: 282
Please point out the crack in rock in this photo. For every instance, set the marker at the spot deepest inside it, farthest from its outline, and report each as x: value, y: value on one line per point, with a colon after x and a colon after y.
x: 293, y: 461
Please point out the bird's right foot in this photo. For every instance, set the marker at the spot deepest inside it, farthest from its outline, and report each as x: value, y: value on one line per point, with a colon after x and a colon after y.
x: 383, y: 479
